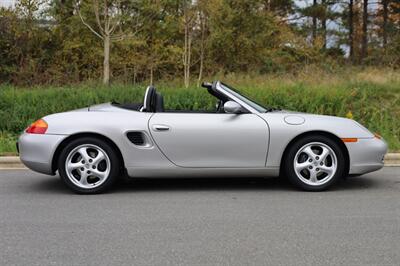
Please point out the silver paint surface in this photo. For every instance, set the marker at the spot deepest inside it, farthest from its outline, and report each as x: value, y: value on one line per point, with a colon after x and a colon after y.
x: 199, y: 144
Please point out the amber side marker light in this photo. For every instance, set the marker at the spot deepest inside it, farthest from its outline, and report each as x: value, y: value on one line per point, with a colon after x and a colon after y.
x: 38, y: 127
x: 350, y: 139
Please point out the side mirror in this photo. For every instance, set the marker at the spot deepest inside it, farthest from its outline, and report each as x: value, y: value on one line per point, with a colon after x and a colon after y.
x: 232, y: 107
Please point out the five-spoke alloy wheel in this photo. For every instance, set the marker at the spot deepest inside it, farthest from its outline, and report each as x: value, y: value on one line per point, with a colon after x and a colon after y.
x: 314, y: 163
x: 88, y: 165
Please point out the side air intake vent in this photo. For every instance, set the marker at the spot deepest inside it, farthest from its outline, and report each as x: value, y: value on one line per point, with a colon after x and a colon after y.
x: 136, y: 138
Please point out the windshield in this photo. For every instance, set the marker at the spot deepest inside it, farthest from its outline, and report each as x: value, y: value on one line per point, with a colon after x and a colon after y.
x: 235, y: 93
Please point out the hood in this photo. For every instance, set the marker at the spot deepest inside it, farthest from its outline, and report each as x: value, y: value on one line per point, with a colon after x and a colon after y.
x: 283, y: 111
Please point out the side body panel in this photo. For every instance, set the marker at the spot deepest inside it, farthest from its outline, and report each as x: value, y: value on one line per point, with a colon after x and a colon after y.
x: 211, y: 140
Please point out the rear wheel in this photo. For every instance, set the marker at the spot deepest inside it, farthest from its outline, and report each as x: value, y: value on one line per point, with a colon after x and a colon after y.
x: 314, y: 163
x: 88, y: 165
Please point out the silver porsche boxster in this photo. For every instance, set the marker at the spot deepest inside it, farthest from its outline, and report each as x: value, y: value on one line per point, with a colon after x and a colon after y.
x: 92, y: 147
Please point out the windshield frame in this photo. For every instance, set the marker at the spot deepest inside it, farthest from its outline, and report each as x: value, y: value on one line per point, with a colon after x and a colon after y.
x: 236, y: 96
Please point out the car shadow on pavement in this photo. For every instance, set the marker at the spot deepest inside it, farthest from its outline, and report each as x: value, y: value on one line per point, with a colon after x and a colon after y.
x: 196, y: 184
x: 229, y: 184
x: 50, y: 185
x: 55, y: 185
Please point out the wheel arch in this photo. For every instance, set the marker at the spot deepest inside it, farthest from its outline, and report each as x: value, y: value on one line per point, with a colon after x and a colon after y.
x: 72, y: 137
x: 323, y: 133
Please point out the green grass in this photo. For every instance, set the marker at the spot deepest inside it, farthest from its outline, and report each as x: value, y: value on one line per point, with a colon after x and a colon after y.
x: 7, y: 144
x: 370, y: 96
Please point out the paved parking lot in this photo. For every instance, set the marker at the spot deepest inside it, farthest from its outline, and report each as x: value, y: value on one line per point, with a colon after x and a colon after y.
x: 200, y: 222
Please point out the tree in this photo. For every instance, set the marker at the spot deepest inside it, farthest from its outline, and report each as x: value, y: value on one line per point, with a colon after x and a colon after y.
x: 364, y: 42
x: 203, y: 17
x: 29, y: 42
x: 314, y: 21
x: 324, y: 18
x: 351, y: 30
x: 314, y: 12
x: 385, y: 7
x: 386, y: 32
x: 110, y: 16
x: 28, y: 8
x: 187, y: 21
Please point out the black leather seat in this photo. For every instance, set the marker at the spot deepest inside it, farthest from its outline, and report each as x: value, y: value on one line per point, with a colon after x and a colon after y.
x: 159, y: 102
x: 153, y: 101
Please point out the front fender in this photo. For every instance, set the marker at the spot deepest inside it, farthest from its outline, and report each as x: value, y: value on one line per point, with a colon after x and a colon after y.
x: 282, y: 133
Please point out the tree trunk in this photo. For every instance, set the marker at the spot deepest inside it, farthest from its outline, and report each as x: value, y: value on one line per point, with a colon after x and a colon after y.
x: 151, y: 74
x: 189, y: 61
x: 106, y: 63
x: 186, y: 53
x: 126, y: 77
x: 134, y: 75
x: 268, y: 5
x: 351, y: 30
x: 202, y: 28
x: 314, y: 23
x: 323, y: 22
x: 201, y: 69
x: 385, y: 4
x: 185, y: 57
x: 65, y: 9
x: 364, y: 41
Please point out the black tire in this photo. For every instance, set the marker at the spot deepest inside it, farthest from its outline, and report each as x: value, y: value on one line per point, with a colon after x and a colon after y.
x: 288, y: 168
x: 108, y: 150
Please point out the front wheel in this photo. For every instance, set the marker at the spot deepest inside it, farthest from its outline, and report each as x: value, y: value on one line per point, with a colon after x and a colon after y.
x: 314, y: 163
x: 88, y: 165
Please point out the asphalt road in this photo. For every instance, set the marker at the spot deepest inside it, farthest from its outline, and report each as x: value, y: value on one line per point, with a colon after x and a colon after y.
x: 200, y: 222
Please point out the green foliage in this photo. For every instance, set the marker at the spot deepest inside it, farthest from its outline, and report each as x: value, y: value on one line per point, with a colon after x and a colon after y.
x: 7, y: 144
x: 45, y: 42
x: 49, y: 44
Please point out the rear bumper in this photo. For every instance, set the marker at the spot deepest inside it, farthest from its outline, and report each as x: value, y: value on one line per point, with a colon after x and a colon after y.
x: 366, y: 155
x: 36, y: 151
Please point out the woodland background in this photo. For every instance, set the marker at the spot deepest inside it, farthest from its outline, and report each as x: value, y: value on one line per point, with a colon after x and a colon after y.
x: 69, y: 41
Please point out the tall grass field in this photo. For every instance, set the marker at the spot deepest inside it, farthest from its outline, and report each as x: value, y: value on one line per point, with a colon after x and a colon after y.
x: 370, y: 96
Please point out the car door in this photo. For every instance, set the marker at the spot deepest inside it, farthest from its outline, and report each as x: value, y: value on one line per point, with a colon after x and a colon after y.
x: 211, y: 140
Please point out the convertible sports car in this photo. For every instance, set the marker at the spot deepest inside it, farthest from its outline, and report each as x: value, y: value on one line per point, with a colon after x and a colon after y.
x: 92, y: 147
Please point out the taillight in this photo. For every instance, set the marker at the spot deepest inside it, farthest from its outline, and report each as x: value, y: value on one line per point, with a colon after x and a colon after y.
x: 37, y: 127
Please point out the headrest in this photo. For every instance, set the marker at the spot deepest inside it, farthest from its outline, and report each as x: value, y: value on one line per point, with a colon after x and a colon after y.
x: 148, y: 97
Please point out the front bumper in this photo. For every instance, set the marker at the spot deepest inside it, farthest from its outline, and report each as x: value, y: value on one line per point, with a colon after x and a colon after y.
x: 36, y: 151
x: 366, y: 155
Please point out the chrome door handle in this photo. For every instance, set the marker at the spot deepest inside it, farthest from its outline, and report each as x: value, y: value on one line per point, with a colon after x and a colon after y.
x: 161, y: 127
